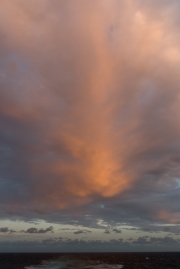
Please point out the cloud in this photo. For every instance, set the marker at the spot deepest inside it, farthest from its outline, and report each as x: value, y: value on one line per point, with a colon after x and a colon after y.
x: 79, y: 232
x: 89, y: 111
x: 156, y: 240
x: 39, y: 231
x: 107, y: 230
x: 110, y: 229
x: 82, y: 231
x: 52, y: 244
x: 6, y: 230
x: 116, y: 230
x: 67, y: 229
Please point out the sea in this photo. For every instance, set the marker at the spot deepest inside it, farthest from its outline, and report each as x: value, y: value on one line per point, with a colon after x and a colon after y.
x: 161, y: 260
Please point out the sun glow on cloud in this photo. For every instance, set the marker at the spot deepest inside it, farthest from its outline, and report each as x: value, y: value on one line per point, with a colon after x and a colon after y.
x: 89, y: 103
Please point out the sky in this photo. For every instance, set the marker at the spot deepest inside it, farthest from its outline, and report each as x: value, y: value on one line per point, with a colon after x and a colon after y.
x: 89, y: 125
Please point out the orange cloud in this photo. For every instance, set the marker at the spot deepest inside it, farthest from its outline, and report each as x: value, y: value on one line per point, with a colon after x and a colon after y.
x: 98, y: 93
x: 169, y: 217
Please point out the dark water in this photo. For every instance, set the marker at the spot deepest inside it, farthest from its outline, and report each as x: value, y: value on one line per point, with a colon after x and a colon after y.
x: 161, y: 260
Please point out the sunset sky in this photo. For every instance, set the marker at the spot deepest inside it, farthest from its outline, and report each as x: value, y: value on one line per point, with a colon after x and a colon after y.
x: 89, y: 125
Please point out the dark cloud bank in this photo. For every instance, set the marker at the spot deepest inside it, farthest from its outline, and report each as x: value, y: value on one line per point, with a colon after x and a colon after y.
x: 56, y: 244
x: 89, y: 112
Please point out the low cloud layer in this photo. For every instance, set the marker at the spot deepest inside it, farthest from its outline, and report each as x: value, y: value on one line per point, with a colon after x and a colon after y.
x: 31, y: 230
x: 89, y: 111
x: 51, y: 244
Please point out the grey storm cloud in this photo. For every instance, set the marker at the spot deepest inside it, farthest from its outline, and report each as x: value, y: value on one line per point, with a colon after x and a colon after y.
x: 89, y: 112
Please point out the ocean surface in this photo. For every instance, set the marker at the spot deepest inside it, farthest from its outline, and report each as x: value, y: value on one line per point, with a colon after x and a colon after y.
x: 163, y: 260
